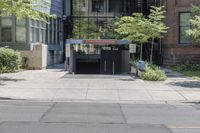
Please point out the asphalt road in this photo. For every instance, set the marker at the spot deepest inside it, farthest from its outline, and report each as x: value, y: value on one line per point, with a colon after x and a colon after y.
x: 47, y: 117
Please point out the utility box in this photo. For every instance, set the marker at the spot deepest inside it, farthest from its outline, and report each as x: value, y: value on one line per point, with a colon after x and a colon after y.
x: 141, y: 65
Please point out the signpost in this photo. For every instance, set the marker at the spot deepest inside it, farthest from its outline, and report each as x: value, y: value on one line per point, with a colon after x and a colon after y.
x: 67, y: 50
x: 132, y: 48
x: 67, y: 56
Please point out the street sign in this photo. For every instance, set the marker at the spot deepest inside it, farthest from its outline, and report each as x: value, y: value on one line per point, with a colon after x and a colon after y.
x: 132, y: 48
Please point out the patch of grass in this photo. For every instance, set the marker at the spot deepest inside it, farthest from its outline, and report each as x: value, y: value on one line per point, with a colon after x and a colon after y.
x: 193, y: 74
x: 191, y: 70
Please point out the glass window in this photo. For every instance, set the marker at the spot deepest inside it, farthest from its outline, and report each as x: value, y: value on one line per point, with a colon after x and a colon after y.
x: 47, y: 33
x: 97, y: 5
x: 37, y: 23
x: 20, y: 30
x: 33, y: 22
x: 20, y: 34
x: 55, y: 31
x: 6, y: 34
x: 91, y: 17
x: 37, y: 35
x: 31, y: 34
x: 6, y: 21
x: 58, y: 31
x: 183, y: 27
x: 41, y: 36
x: 21, y: 22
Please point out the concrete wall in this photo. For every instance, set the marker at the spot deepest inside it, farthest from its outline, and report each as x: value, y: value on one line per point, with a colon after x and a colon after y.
x: 37, y: 58
x: 173, y: 52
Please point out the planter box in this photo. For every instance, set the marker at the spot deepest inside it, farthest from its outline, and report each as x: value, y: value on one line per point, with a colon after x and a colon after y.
x: 134, y: 70
x: 140, y: 73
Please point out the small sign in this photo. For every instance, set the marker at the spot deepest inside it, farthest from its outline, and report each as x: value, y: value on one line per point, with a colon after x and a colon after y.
x: 123, y: 42
x: 132, y: 48
x: 67, y: 49
x: 72, y: 41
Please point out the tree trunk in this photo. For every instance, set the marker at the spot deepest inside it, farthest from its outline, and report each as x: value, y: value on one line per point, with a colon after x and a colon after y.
x: 151, y: 56
x: 141, y: 50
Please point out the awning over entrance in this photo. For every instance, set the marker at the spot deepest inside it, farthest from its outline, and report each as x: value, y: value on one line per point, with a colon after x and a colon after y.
x: 98, y: 42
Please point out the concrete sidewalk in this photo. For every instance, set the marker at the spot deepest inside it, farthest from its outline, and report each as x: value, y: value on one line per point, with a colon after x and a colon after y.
x: 55, y: 85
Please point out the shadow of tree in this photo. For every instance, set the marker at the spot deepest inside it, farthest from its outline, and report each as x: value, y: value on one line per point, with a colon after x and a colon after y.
x: 2, y: 84
x: 186, y: 84
x: 8, y: 79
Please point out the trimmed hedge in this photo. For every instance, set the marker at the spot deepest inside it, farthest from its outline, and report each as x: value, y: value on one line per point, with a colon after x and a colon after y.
x: 9, y: 60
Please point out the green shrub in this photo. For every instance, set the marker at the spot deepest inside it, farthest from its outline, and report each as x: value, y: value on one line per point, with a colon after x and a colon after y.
x: 9, y: 60
x: 153, y: 73
x: 134, y: 62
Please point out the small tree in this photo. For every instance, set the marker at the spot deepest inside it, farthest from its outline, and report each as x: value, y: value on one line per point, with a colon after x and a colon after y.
x: 25, y: 9
x: 194, y: 32
x: 133, y: 28
x: 156, y: 26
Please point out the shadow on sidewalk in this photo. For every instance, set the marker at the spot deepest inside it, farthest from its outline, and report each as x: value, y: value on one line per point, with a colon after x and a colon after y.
x: 8, y: 79
x: 186, y: 84
x: 2, y: 84
x: 57, y: 67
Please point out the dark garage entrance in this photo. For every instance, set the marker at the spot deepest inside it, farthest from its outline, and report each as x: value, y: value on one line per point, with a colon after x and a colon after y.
x: 87, y: 66
x: 97, y: 56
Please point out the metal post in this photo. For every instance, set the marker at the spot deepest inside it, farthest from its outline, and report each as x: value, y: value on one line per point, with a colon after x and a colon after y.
x: 113, y: 67
x: 67, y: 57
x: 105, y: 66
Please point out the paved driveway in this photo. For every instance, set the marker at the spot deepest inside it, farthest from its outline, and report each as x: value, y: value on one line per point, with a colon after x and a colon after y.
x: 55, y: 85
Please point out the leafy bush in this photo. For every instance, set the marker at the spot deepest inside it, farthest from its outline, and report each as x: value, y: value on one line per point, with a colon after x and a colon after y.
x: 153, y: 73
x: 9, y: 60
x: 187, y: 67
x: 134, y: 62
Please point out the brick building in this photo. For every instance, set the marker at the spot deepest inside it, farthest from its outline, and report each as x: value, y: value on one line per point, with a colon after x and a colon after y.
x: 177, y: 47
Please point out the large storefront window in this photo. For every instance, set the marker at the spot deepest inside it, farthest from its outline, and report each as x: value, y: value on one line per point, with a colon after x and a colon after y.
x: 183, y: 27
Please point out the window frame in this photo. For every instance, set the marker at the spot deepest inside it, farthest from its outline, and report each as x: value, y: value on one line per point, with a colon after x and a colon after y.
x: 38, y: 28
x: 21, y: 26
x: 179, y: 30
x: 7, y: 26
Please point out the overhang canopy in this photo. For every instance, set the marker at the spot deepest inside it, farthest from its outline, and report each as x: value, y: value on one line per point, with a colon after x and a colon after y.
x: 98, y: 42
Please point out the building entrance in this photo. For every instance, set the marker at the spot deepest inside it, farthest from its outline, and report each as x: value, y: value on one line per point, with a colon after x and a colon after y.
x: 97, y: 56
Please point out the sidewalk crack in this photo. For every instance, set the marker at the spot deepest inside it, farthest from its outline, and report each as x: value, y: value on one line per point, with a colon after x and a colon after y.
x: 47, y: 112
x: 123, y: 115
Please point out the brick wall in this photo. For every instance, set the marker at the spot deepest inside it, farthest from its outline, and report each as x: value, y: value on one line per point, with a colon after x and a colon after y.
x: 173, y: 52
